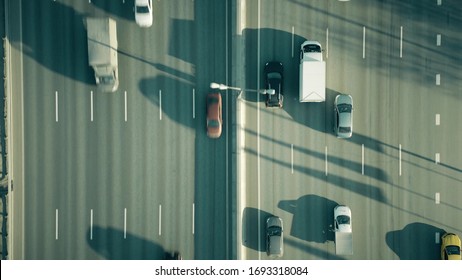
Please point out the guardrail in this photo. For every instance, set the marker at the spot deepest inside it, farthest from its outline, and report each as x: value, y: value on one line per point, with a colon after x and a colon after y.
x: 4, y: 219
x: 4, y: 157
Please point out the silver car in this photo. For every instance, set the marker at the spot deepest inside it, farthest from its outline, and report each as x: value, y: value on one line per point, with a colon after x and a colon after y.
x: 274, y: 237
x: 343, y: 116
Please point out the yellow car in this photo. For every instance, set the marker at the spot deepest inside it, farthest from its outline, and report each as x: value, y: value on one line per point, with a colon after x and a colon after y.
x: 450, y: 247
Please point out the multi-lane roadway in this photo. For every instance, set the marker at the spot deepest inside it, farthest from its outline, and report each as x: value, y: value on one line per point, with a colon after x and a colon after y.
x: 127, y: 175
x: 400, y: 173
x: 132, y: 174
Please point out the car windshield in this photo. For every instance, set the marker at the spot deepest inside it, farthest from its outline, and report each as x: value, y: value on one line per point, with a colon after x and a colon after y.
x: 344, y: 108
x: 107, y: 79
x: 142, y: 9
x: 274, y: 230
x: 213, y: 123
x: 312, y: 48
x: 453, y: 250
x: 343, y: 220
x: 274, y: 75
x: 343, y: 129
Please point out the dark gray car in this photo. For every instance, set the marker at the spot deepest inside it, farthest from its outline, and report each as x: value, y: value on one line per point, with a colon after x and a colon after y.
x: 273, y: 80
x: 274, y: 237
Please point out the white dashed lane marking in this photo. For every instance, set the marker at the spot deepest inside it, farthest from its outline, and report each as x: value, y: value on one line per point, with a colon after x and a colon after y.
x: 125, y: 223
x: 56, y: 224
x: 56, y: 106
x: 91, y: 105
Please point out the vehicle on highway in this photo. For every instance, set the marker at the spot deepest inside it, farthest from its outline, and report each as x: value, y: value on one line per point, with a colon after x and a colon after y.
x: 273, y: 80
x: 450, y: 247
x: 343, y: 230
x: 343, y: 116
x: 102, y: 52
x: 274, y: 237
x: 312, y: 73
x: 214, y: 115
x: 143, y: 12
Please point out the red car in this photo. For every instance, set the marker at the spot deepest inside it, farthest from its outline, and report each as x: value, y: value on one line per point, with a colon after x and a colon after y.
x: 214, y: 115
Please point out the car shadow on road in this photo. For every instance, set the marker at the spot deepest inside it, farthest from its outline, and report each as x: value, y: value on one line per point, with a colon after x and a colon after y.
x: 110, y: 244
x: 252, y: 220
x: 416, y: 241
x: 312, y: 217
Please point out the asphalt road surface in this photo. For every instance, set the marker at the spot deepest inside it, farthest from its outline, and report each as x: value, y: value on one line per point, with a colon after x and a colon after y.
x: 130, y: 174
x: 401, y: 171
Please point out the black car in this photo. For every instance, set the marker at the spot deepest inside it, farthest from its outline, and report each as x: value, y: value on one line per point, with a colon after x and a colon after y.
x: 273, y: 80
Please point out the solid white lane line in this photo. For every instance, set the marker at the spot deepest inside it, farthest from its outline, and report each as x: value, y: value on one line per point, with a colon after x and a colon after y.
x: 125, y: 223
x: 56, y: 106
x: 91, y: 224
x: 325, y: 151
x: 437, y: 238
x: 125, y: 102
x: 401, y: 42
x: 437, y: 198
x: 400, y: 160
x: 194, y: 103
x: 160, y: 219
x: 362, y: 159
x: 228, y: 105
x: 437, y: 158
x: 56, y: 224
x: 193, y: 213
x: 258, y: 128
x: 160, y: 104
x: 293, y: 38
x: 438, y: 40
x: 364, y: 42
x: 327, y: 43
x: 437, y: 119
x: 91, y: 105
x: 292, y: 157
x: 19, y: 254
x: 438, y: 79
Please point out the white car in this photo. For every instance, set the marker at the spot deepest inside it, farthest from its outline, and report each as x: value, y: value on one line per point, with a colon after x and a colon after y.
x: 342, y: 218
x: 143, y: 12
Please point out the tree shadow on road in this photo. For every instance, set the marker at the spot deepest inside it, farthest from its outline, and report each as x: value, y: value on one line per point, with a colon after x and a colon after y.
x: 110, y: 244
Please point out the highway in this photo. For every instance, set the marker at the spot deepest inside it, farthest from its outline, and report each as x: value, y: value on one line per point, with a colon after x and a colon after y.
x: 400, y: 173
x: 128, y: 175
x: 133, y: 175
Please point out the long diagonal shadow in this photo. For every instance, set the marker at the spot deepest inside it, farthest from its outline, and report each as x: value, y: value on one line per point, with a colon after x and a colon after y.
x: 366, y: 190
